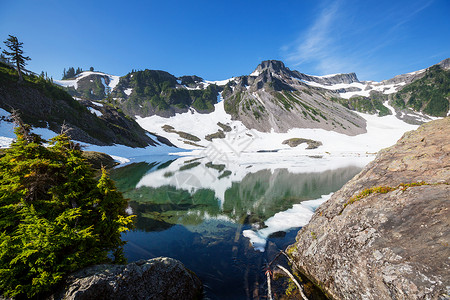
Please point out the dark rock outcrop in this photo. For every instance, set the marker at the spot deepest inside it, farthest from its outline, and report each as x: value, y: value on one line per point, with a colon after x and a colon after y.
x: 158, y: 278
x: 386, y: 233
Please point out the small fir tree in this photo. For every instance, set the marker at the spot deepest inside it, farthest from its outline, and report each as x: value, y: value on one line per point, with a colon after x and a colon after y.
x: 55, y: 217
x: 15, y: 54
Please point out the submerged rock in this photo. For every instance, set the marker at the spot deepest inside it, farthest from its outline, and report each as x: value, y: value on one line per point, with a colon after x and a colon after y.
x: 386, y: 233
x: 158, y: 278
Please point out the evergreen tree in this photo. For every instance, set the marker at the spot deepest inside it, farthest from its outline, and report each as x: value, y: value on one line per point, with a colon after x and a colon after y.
x: 55, y: 217
x: 79, y: 70
x: 91, y: 69
x: 70, y: 73
x: 16, y: 54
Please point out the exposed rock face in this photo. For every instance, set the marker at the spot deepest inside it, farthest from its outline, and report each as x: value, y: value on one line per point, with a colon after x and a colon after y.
x: 388, y: 244
x: 445, y: 64
x: 158, y: 278
x: 275, y: 98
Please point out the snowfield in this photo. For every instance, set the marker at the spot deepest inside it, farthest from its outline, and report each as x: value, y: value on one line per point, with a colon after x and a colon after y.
x: 382, y: 132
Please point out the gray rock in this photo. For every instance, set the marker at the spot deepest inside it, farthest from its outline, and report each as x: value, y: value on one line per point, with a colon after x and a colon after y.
x: 392, y: 245
x: 276, y: 98
x: 158, y: 278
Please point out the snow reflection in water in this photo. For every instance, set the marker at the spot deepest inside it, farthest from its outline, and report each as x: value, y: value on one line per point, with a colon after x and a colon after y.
x: 199, y: 212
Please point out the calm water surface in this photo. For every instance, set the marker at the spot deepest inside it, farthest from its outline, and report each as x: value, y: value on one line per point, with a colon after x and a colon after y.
x: 196, y: 212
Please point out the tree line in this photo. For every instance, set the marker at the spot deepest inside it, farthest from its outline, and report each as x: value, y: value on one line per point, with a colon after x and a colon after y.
x: 72, y: 72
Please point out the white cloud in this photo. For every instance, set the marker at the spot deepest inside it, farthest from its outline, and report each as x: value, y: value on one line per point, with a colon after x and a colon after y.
x: 340, y: 39
x: 318, y: 43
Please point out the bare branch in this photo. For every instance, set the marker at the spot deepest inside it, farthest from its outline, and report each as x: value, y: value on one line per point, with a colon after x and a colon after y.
x: 294, y: 280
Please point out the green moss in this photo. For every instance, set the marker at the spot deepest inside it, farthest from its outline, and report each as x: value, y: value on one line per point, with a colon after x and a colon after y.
x: 383, y: 190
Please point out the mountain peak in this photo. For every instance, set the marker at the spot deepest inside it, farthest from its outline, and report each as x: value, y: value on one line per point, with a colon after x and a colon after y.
x: 445, y: 64
x: 275, y: 66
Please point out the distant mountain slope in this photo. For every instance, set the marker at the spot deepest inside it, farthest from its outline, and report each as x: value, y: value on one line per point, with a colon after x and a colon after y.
x: 429, y: 94
x: 149, y: 92
x: 42, y: 104
x: 90, y: 85
x: 274, y: 97
x: 412, y: 94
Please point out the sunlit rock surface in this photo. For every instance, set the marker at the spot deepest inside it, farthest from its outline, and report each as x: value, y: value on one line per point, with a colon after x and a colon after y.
x: 392, y: 245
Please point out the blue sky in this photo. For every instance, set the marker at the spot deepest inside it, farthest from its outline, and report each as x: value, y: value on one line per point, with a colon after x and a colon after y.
x: 220, y: 39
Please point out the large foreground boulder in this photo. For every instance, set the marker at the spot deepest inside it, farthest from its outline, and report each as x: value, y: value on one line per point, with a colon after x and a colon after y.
x: 386, y: 233
x: 158, y: 278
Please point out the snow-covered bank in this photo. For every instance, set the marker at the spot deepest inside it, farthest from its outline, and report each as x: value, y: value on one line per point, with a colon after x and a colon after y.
x: 120, y: 153
x: 295, y: 217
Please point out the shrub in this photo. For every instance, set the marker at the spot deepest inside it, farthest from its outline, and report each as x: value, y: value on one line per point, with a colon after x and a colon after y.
x: 55, y: 217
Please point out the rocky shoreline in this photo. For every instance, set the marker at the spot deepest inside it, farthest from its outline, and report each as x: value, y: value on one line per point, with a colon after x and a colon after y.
x: 157, y: 278
x: 386, y: 233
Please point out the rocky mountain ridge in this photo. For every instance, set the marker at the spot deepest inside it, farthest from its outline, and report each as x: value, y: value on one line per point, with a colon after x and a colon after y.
x: 272, y: 97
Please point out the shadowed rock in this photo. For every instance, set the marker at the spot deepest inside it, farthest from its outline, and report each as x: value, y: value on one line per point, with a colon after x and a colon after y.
x: 158, y: 278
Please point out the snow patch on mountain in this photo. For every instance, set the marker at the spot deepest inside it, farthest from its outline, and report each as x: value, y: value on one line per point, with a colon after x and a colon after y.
x: 95, y: 112
x: 128, y: 91
x: 113, y: 80
x: 219, y: 82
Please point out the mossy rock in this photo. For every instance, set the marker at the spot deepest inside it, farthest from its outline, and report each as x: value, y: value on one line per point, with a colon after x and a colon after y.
x: 217, y: 135
x: 294, y: 142
x: 224, y: 127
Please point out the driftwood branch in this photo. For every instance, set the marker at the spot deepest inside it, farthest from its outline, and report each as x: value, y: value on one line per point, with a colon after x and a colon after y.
x: 269, y: 287
x: 294, y: 280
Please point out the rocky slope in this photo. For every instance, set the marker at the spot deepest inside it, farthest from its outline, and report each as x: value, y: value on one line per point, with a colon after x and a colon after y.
x: 274, y: 97
x: 385, y: 234
x: 158, y: 278
x: 43, y: 104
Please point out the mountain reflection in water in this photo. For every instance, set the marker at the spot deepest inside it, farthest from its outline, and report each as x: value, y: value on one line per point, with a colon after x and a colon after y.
x: 196, y: 211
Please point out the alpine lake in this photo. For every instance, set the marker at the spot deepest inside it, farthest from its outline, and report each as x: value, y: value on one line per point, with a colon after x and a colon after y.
x: 203, y: 214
